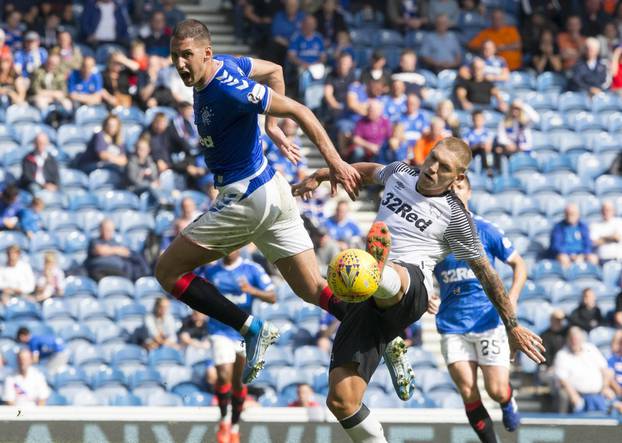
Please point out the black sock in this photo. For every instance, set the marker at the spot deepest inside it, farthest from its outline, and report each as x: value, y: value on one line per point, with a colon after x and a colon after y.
x: 480, y: 421
x: 237, y: 404
x: 223, y: 394
x: 332, y: 304
x: 203, y: 296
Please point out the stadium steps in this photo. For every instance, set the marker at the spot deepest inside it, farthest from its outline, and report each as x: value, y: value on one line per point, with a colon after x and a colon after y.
x: 219, y: 23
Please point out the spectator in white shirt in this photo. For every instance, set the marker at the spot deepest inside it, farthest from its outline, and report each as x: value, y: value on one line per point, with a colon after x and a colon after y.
x: 582, y: 373
x: 160, y: 326
x: 607, y: 234
x: 16, y: 277
x: 28, y: 387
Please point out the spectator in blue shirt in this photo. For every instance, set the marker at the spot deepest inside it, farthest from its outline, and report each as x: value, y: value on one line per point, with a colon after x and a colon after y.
x: 395, y: 102
x: 172, y: 13
x: 413, y: 120
x: 9, y: 207
x: 85, y: 84
x: 480, y: 140
x: 46, y: 349
x: 103, y: 21
x: 13, y: 30
x: 342, y: 228
x: 570, y: 239
x: 496, y: 69
x: 30, y: 220
x: 307, y: 46
x: 441, y: 49
x: 30, y: 58
x: 284, y: 24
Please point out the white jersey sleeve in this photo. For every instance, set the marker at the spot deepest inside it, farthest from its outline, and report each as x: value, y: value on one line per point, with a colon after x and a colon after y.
x: 392, y: 168
x: 461, y: 235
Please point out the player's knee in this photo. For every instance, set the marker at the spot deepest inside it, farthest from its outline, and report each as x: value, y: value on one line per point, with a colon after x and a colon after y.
x: 341, y: 405
x: 469, y: 393
x: 498, y: 392
x: 164, y: 277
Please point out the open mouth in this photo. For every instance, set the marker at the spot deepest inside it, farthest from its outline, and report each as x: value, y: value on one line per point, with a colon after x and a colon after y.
x: 185, y: 76
x: 428, y: 176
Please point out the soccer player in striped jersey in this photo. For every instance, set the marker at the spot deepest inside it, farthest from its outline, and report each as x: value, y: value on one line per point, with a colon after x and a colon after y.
x: 419, y: 222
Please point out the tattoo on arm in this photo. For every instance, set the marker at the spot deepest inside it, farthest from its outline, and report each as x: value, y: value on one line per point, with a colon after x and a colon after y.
x: 493, y: 287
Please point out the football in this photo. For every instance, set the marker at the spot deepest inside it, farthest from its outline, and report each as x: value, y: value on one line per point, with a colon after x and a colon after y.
x: 353, y: 275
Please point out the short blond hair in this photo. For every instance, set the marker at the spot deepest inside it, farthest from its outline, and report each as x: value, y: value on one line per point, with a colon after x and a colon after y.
x: 461, y: 150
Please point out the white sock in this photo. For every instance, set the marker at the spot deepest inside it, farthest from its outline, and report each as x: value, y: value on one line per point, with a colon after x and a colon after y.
x: 362, y: 427
x: 390, y: 284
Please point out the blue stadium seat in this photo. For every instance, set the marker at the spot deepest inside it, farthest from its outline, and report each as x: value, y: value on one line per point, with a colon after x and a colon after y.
x: 310, y: 356
x: 537, y: 312
x: 524, y: 205
x: 432, y: 380
x: 78, y: 333
x: 164, y: 399
x: 547, y: 269
x: 568, y: 183
x: 8, y: 238
x: 101, y: 179
x: 81, y: 199
x: 279, y: 356
x: 523, y: 162
x: 90, y: 115
x: 362, y: 55
x: 89, y: 220
x: 392, y: 55
x: 149, y: 378
x: 522, y: 80
x: 584, y: 121
x: 164, y: 222
x: 88, y: 309
x: 147, y: 286
x: 614, y: 122
x: 504, y: 184
x: 272, y: 312
x: 198, y: 399
x: 60, y: 221
x: 556, y: 164
x: 430, y: 78
x: 314, y: 96
x: 446, y: 79
x: 194, y: 356
x: 608, y: 185
x: 601, y: 336
x: 550, y: 81
x: 382, y: 400
x: 82, y: 397
x: 130, y: 316
x: 388, y: 37
x: 590, y: 166
x: 579, y: 271
x: 72, y: 241
x: 110, y: 201
x: 129, y: 221
x: 28, y: 131
x: 129, y: 353
x: 87, y: 355
x: 570, y: 101
x: 611, y: 273
x: 200, y: 199
x: 577, y: 144
x: 588, y: 204
x: 446, y: 399
x: 486, y: 204
x: 413, y: 39
x: 22, y: 114
x: 69, y: 376
x: 542, y: 101
x: 176, y: 376
x: 130, y: 115
x: 108, y: 377
x: 8, y: 136
x: 606, y: 102
x: 58, y: 324
x: 560, y: 292
x: 113, y: 285
x: 533, y: 291
x: 165, y: 355
x: 55, y: 308
x: 23, y: 310
x: 125, y: 400
x: 419, y: 358
x: 70, y: 133
x: 73, y: 179
x: 79, y: 285
x: 55, y: 399
x: 288, y: 378
x: 105, y: 395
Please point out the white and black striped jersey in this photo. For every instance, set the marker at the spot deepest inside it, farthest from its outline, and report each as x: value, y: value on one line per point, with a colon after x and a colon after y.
x: 424, y: 229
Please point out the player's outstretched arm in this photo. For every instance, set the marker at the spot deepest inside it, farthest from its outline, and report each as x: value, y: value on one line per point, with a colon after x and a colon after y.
x: 520, y: 338
x: 310, y: 183
x: 519, y: 277
x: 271, y: 74
x: 338, y: 170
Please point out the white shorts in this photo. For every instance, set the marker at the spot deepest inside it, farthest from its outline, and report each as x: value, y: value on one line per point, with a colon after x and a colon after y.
x: 488, y: 348
x: 225, y: 350
x: 268, y: 217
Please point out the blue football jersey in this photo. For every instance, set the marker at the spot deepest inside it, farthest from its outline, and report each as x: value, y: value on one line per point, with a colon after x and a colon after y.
x: 225, y: 113
x: 464, y: 305
x: 227, y: 280
x: 414, y: 125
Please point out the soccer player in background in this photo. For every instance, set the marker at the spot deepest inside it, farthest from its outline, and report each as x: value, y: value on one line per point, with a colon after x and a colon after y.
x: 254, y: 203
x: 470, y: 327
x: 242, y: 282
x: 419, y: 222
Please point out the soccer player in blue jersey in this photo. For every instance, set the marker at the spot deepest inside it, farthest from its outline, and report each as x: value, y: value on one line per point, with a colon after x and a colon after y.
x: 472, y: 332
x: 255, y: 203
x: 242, y: 282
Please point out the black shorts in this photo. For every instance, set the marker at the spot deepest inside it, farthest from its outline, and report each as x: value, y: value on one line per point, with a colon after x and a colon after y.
x: 366, y: 330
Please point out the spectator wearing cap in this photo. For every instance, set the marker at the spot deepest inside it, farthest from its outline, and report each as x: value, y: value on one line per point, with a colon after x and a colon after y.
x: 370, y: 133
x: 441, y: 49
x: 587, y: 315
x: 554, y: 337
x: 377, y: 69
x: 571, y: 42
x: 570, y: 239
x: 9, y: 207
x: 28, y: 387
x: 16, y: 277
x: 590, y: 74
x: 85, y: 84
x: 32, y: 56
x: 306, y: 48
x: 158, y: 37
x: 48, y: 85
x: 14, y: 30
x: 496, y: 68
x: 13, y: 87
x: 103, y: 21
x: 285, y: 23
x: 506, y: 37
x: 39, y: 168
x: 582, y: 373
x: 330, y: 22
x: 607, y: 234
x: 172, y: 14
